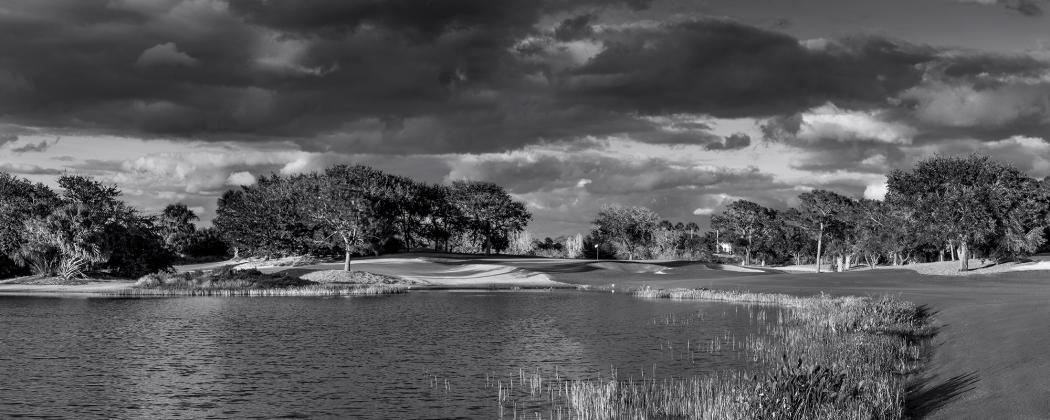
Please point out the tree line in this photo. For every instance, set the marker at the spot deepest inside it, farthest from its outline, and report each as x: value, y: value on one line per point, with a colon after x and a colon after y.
x: 85, y: 227
x: 954, y: 208
x: 361, y: 210
x: 944, y: 208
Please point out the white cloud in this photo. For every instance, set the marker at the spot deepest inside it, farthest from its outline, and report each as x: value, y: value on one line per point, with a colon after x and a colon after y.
x: 965, y: 106
x: 704, y: 211
x: 240, y: 178
x: 876, y: 191
x: 166, y: 54
x: 831, y: 122
x: 201, y: 171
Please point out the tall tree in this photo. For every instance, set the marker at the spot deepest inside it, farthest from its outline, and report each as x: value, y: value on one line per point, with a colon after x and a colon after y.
x: 970, y: 200
x: 629, y: 229
x: 746, y: 221
x: 176, y: 226
x: 346, y: 201
x: 820, y: 210
x: 21, y: 200
x: 489, y: 213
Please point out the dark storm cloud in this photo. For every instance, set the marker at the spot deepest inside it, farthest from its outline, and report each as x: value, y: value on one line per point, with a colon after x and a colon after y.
x: 728, y: 69
x: 1030, y: 8
x: 33, y: 147
x: 406, y: 76
x: 7, y: 138
x: 27, y: 169
x: 1025, y: 7
x: 605, y: 175
x: 575, y: 28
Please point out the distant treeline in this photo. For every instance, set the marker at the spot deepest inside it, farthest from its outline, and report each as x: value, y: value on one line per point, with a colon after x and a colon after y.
x: 361, y: 210
x: 945, y: 208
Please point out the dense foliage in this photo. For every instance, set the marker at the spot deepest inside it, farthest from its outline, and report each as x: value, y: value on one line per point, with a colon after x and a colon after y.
x: 358, y: 210
x: 84, y: 227
x: 638, y: 232
x: 945, y: 206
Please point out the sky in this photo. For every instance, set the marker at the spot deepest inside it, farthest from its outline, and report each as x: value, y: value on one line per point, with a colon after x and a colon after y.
x: 682, y: 106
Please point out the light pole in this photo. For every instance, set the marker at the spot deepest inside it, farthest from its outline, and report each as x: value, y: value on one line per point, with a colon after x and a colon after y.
x: 596, y: 252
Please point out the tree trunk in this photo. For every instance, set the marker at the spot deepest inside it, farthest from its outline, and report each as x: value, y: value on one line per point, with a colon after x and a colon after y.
x: 346, y: 255
x: 964, y: 256
x: 747, y: 260
x: 820, y: 241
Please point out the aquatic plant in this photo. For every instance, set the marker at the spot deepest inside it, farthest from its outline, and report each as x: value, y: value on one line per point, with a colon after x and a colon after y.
x: 817, y: 357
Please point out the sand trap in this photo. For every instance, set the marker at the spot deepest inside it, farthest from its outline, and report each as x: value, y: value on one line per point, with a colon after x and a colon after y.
x: 440, y: 273
x: 735, y: 268
x: 1034, y: 266
x: 482, y: 274
x: 276, y: 262
x: 637, y: 268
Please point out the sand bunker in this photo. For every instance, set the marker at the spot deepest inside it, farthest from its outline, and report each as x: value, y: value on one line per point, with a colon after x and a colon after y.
x: 735, y: 268
x: 426, y: 272
x: 637, y: 268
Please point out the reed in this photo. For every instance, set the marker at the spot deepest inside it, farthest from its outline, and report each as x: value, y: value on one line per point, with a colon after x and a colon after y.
x: 817, y: 357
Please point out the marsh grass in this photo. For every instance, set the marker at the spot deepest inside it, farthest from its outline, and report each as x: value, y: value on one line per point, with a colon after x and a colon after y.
x: 230, y: 282
x: 818, y: 357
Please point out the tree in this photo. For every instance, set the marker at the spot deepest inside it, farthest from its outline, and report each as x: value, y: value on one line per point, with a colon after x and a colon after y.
x: 629, y: 229
x: 521, y: 243
x: 268, y: 219
x: 440, y: 218
x: 90, y: 228
x: 574, y: 246
x: 794, y: 238
x: 21, y: 200
x: 970, y: 201
x: 345, y: 200
x: 746, y: 221
x: 819, y: 209
x: 487, y: 213
x: 176, y: 227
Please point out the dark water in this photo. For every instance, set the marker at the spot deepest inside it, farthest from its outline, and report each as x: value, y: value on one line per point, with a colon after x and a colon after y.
x: 420, y: 355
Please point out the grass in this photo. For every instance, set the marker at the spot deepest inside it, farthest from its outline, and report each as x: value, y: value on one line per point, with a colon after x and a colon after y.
x: 229, y: 282
x: 818, y: 357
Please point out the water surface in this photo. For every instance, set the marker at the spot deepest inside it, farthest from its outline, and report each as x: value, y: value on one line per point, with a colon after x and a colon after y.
x: 419, y: 355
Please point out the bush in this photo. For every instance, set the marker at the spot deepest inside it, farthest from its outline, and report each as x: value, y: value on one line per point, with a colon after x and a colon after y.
x: 8, y: 268
x: 221, y: 278
x: 137, y: 251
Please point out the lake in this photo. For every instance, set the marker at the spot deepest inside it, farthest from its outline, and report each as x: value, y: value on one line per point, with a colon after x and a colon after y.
x: 430, y: 354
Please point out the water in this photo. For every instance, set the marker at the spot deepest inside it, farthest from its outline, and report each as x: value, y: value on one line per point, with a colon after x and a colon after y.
x: 419, y: 355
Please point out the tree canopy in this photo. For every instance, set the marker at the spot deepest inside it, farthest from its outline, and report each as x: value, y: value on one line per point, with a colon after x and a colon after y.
x: 357, y: 209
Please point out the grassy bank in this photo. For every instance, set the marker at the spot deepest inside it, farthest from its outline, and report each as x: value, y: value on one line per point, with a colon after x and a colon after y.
x: 817, y: 357
x: 229, y: 282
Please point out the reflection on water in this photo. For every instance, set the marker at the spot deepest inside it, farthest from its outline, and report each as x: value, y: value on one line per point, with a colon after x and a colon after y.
x: 424, y: 354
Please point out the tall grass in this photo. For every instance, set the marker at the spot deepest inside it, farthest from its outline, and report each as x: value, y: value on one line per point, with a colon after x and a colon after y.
x: 229, y: 282
x: 818, y: 357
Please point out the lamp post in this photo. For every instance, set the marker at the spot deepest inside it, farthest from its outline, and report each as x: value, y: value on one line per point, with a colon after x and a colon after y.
x: 596, y: 252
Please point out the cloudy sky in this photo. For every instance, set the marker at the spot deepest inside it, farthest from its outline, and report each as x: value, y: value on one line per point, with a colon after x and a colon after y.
x: 679, y: 105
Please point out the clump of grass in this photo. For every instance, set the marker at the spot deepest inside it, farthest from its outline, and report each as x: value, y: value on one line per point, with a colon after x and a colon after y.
x: 227, y: 281
x: 822, y: 358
